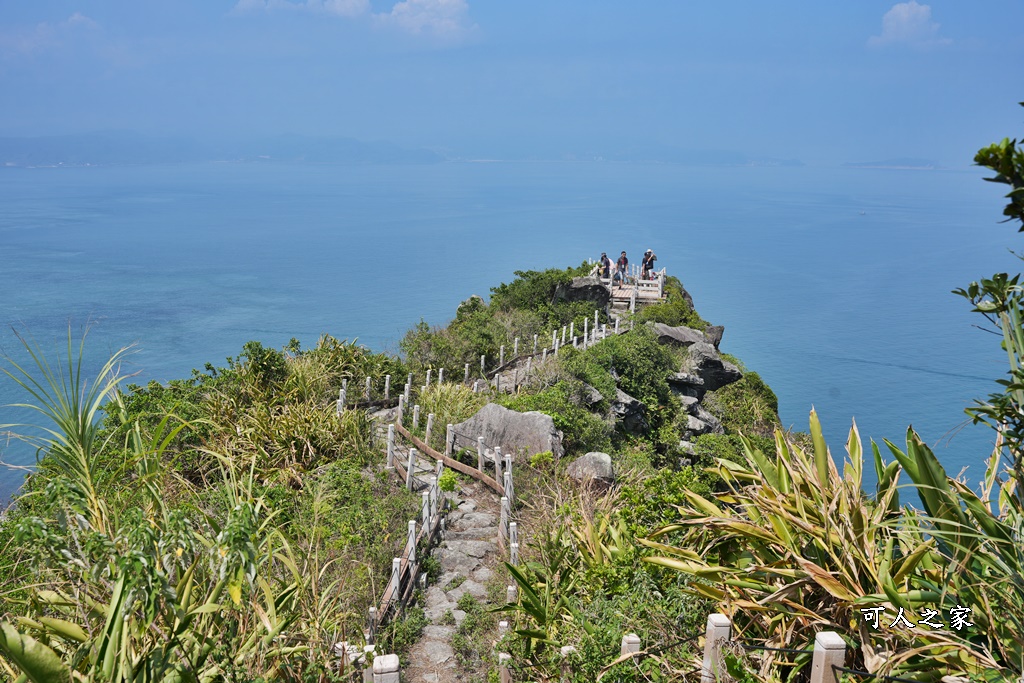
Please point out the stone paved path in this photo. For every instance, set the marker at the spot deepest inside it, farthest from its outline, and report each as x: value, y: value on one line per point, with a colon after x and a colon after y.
x: 468, y: 555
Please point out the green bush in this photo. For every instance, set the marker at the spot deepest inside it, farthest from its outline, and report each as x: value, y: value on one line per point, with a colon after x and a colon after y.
x: 582, y: 430
x: 674, y: 311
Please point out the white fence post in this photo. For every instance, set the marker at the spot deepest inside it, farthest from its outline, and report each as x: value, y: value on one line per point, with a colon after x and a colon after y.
x: 440, y: 375
x: 535, y: 343
x: 400, y: 413
x: 503, y: 525
x: 586, y: 331
x: 408, y: 391
x: 501, y: 355
x: 515, y: 348
x: 430, y: 428
x: 513, y: 556
x: 595, y: 318
x: 434, y: 491
x: 412, y: 543
x: 554, y: 338
x: 504, y: 675
x: 718, y: 633
x: 616, y: 326
x: 630, y: 644
x: 371, y: 622
x: 529, y: 364
x: 449, y: 440
x: 412, y: 465
x: 563, y: 334
x: 386, y: 669
x: 465, y: 377
x: 341, y: 401
x: 366, y: 390
x: 482, y: 360
x: 416, y: 416
x: 480, y: 453
x: 829, y: 651
x: 572, y: 328
x: 428, y: 377
x: 387, y: 387
x: 509, y: 492
x: 513, y: 533
x: 391, y: 447
x: 428, y: 523
x: 497, y: 464
x: 544, y: 356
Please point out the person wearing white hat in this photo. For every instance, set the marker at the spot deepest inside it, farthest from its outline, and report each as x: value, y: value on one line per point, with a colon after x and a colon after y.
x: 647, y: 265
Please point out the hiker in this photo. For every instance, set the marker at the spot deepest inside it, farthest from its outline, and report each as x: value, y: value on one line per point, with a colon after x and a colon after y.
x: 621, y: 269
x: 647, y: 265
x: 606, y: 265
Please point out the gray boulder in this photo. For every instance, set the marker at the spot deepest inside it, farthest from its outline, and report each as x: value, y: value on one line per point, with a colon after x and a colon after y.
x: 705, y: 362
x: 514, y: 432
x: 713, y: 334
x: 587, y: 288
x: 593, y: 469
x: 591, y: 396
x: 703, y: 422
x: 630, y: 411
x: 681, y: 336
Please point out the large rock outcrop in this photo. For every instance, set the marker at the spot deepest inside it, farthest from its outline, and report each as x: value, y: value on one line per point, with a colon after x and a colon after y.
x: 587, y: 288
x: 514, y: 432
x: 681, y: 336
x: 594, y: 470
x: 630, y: 411
x: 716, y: 372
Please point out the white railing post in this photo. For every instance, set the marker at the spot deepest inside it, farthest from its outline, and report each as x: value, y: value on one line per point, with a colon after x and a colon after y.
x: 400, y: 413
x: 366, y: 390
x: 465, y: 378
x: 513, y: 555
x: 572, y: 328
x: 515, y: 348
x: 595, y: 318
x: 341, y: 401
x: 563, y: 334
x: 434, y: 491
x: 630, y: 644
x: 616, y: 326
x: 476, y: 386
x: 497, y: 464
x: 501, y: 355
x: 511, y: 594
x: 396, y: 577
x: 604, y: 330
x: 440, y: 375
x: 412, y: 465
x: 554, y: 338
x: 408, y: 391
x: 503, y: 524
x: 586, y: 331
x: 718, y: 632
x: 504, y: 675
x: 513, y: 532
x: 544, y: 356
x: 386, y: 669
x: 509, y: 492
x: 428, y: 523
x: 449, y: 440
x: 497, y: 384
x: 430, y: 429
x: 829, y: 652
x: 387, y: 387
x: 428, y: 377
x: 391, y: 447
x: 480, y: 453
x: 535, y: 343
x: 416, y: 416
x: 412, y: 543
x: 483, y: 359
x: 529, y: 365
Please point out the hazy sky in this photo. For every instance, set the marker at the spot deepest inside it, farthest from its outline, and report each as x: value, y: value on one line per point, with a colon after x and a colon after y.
x: 823, y: 81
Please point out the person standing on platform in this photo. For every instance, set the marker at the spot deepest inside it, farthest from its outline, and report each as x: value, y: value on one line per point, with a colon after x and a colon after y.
x: 621, y: 269
x: 647, y: 265
x: 606, y: 265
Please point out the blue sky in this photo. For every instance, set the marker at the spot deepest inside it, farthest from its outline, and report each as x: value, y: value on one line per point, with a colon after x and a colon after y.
x: 825, y: 82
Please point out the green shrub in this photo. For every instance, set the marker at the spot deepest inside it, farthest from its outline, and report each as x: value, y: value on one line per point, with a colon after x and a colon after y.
x: 582, y: 430
x: 748, y: 406
x: 674, y: 311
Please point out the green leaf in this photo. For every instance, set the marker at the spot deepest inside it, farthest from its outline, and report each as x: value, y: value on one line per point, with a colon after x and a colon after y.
x: 38, y: 662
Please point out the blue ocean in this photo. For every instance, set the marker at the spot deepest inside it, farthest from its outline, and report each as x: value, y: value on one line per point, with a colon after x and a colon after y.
x: 832, y: 283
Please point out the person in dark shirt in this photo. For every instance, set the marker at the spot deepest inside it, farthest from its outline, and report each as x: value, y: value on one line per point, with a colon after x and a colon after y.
x: 621, y: 269
x: 606, y: 265
x: 647, y: 265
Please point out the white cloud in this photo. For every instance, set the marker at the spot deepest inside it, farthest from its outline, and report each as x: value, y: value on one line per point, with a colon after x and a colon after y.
x: 46, y: 35
x: 447, y: 19
x: 909, y: 23
x: 340, y: 8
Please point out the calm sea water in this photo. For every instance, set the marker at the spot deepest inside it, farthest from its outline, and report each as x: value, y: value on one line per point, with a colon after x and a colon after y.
x: 833, y: 283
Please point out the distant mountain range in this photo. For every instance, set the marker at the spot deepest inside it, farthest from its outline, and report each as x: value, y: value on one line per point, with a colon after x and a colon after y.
x: 131, y: 148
